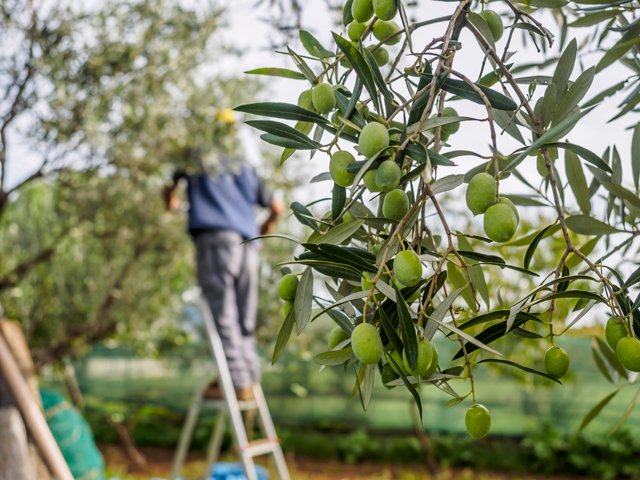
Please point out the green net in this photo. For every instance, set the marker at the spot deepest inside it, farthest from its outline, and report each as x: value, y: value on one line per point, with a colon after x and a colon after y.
x: 74, y: 437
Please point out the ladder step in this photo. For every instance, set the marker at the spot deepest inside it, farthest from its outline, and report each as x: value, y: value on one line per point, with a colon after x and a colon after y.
x: 220, y: 404
x: 261, y: 447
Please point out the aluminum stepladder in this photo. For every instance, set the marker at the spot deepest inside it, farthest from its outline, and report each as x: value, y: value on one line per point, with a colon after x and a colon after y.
x: 230, y: 408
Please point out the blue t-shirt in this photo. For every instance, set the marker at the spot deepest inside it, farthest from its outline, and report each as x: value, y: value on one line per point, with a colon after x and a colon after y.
x: 226, y: 201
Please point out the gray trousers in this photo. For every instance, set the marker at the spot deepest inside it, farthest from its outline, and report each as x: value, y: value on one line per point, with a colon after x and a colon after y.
x: 228, y: 275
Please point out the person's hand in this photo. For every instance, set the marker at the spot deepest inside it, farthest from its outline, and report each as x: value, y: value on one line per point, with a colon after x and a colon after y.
x: 266, y: 228
x: 170, y: 197
x: 276, y: 208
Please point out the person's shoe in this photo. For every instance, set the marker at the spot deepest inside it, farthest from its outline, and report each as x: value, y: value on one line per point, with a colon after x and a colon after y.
x: 213, y: 391
x: 245, y: 394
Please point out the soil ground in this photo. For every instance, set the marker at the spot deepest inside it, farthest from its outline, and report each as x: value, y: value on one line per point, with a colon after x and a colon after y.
x: 160, y: 462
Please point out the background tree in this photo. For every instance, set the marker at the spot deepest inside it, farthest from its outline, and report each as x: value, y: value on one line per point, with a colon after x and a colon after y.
x: 103, y: 103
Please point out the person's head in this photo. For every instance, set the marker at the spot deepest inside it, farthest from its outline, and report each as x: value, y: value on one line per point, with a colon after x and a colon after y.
x: 226, y: 131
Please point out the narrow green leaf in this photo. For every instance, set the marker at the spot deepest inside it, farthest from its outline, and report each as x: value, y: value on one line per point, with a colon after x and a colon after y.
x: 574, y: 95
x: 419, y: 153
x: 439, y: 314
x: 282, y: 130
x: 483, y: 27
x: 621, y: 421
x: 569, y: 294
x: 480, y: 257
x: 361, y: 259
x: 377, y: 75
x: 631, y: 199
x: 338, y: 199
x: 302, y: 66
x: 586, y: 225
x: 549, y: 103
x: 304, y: 300
x: 610, y: 356
x: 286, y: 142
x: 586, y: 154
x: 360, y: 66
x: 344, y: 300
x: 390, y: 332
x: 408, y: 330
x: 419, y: 103
x: 496, y: 100
x: 407, y: 384
x: 432, y: 123
x: 334, y: 357
x: 347, y: 17
x: 341, y: 319
x: 437, y: 159
x: 365, y: 387
x: 527, y: 239
x: 577, y: 181
x: 497, y: 315
x: 534, y: 244
x: 304, y: 216
x: 529, y: 27
x: 473, y: 343
x: 489, y: 335
x: 594, y: 18
x: 277, y: 72
x: 348, y: 112
x: 551, y: 135
x: 447, y: 183
x: 607, y: 92
x: 521, y: 367
x: 618, y: 51
x: 283, y: 336
x: 508, y: 123
x: 459, y: 281
x: 524, y: 200
x: 313, y: 46
x: 635, y: 155
x: 548, y: 3
x: 574, y: 260
x: 564, y: 67
x: 338, y: 234
x: 593, y: 413
x: 285, y: 111
x: 633, y: 279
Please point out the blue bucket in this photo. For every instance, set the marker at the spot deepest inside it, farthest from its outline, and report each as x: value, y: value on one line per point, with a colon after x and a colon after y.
x: 234, y: 471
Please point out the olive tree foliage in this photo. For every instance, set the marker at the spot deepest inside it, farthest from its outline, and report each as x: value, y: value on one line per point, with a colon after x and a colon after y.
x: 100, y: 105
x: 386, y: 259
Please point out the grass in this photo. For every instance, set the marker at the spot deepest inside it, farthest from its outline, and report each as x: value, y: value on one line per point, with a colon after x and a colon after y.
x: 302, y: 468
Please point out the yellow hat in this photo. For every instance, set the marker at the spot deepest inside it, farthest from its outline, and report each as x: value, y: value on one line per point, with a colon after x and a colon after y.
x: 226, y: 115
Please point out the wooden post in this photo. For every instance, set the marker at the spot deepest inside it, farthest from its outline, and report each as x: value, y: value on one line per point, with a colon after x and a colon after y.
x: 32, y: 413
x: 18, y: 451
x: 15, y: 460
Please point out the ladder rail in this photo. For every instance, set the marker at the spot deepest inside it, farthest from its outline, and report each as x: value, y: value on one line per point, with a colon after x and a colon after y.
x: 229, y: 410
x: 187, y: 430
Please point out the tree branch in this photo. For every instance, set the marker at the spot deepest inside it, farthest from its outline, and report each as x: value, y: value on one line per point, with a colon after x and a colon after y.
x: 14, y: 110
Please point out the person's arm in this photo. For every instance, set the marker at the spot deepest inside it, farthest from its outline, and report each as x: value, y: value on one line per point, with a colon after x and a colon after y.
x: 170, y: 193
x: 275, y: 211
